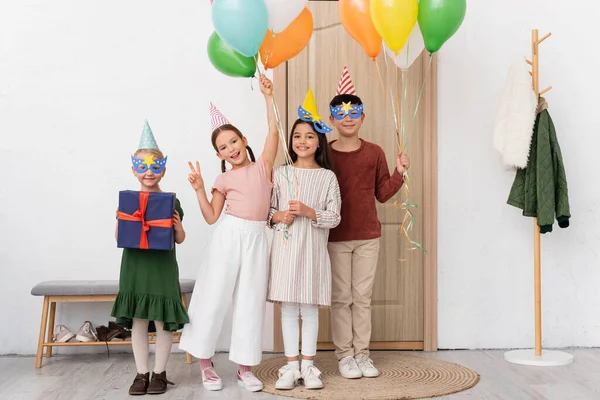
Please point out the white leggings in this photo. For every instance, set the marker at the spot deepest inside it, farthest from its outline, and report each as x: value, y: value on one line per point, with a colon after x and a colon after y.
x: 291, y: 330
x: 139, y: 341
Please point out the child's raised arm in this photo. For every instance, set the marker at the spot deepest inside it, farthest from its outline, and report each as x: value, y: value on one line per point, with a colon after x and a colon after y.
x: 270, y: 150
x: 211, y: 210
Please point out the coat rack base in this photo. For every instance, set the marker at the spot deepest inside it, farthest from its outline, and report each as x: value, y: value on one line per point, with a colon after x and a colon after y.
x: 549, y: 358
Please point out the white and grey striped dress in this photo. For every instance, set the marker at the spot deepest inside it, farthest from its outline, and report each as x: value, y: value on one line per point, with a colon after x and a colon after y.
x: 300, y: 266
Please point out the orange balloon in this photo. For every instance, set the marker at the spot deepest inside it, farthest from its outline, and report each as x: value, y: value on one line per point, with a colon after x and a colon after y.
x: 356, y: 19
x: 278, y: 48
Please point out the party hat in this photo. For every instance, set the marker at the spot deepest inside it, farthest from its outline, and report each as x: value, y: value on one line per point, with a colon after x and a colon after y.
x: 147, y: 140
x: 308, y: 112
x: 216, y: 118
x: 310, y: 106
x: 345, y: 85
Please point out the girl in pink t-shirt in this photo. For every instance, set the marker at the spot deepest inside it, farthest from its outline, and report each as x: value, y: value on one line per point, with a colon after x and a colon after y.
x: 235, y: 268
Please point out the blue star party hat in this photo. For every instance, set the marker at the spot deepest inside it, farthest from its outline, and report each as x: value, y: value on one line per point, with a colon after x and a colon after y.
x: 147, y: 140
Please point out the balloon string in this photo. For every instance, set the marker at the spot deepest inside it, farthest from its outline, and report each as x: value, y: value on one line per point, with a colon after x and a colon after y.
x: 404, y: 105
x: 393, y: 104
x: 279, y: 124
x: 400, y: 107
x: 258, y: 72
x: 407, y: 204
x: 287, y: 161
x: 380, y: 80
x: 286, y: 234
x: 419, y: 97
x: 286, y: 154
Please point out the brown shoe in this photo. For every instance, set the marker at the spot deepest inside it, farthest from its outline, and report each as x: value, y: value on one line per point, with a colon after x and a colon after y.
x: 106, y: 335
x: 159, y: 382
x: 118, y: 332
x: 140, y: 384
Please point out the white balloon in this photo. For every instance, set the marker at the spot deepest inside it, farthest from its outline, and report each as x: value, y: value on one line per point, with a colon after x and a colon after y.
x: 413, y: 47
x: 282, y: 12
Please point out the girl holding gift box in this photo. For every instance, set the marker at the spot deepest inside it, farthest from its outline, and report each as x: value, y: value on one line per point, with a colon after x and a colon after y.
x: 235, y: 269
x: 149, y: 297
x: 300, y: 276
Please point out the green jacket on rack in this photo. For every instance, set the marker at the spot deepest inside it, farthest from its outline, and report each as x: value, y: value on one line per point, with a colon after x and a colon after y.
x: 540, y: 189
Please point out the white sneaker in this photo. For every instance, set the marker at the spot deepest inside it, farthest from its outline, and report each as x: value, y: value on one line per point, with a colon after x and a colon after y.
x: 250, y: 382
x: 62, y: 334
x: 210, y: 380
x: 311, y: 377
x: 87, y: 333
x: 348, y: 368
x: 366, y: 366
x: 288, y: 378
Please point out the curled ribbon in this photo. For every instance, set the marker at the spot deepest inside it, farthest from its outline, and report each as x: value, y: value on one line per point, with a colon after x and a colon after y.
x: 140, y: 216
x: 409, y: 220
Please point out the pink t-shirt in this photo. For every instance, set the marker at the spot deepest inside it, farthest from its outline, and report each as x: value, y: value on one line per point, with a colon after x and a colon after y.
x: 247, y: 191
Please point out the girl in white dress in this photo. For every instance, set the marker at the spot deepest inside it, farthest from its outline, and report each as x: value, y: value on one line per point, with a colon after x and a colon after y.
x: 305, y: 205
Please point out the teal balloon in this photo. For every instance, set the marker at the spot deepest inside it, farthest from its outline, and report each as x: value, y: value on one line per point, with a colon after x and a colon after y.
x: 439, y: 20
x: 227, y: 60
x: 242, y: 24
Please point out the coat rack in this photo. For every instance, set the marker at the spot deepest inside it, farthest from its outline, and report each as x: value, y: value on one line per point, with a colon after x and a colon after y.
x: 537, y: 356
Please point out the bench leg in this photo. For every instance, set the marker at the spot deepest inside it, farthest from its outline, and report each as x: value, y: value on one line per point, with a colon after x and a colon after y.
x: 188, y: 356
x: 51, y: 328
x: 43, y: 324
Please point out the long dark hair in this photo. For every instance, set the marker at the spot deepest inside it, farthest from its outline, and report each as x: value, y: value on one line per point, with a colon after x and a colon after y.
x: 228, y: 127
x: 322, y: 156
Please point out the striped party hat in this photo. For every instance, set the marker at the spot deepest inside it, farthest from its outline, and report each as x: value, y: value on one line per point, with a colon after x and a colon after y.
x: 345, y: 86
x: 216, y: 118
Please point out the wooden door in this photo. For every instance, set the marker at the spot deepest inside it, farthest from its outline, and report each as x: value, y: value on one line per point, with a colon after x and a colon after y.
x: 404, y: 292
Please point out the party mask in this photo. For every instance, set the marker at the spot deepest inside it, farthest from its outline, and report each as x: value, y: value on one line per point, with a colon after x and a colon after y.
x: 317, y: 123
x: 142, y: 165
x: 307, y: 112
x: 340, y: 112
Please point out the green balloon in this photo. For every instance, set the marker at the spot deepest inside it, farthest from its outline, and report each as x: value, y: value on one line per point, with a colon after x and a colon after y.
x: 227, y: 60
x: 439, y: 20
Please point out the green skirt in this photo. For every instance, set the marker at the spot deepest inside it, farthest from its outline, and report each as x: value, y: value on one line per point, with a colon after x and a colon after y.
x: 149, y: 289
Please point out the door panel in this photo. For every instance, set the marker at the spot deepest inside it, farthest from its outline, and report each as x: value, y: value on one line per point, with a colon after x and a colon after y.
x: 398, y: 303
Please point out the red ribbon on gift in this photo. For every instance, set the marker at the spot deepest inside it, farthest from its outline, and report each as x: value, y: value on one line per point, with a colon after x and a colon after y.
x: 139, y: 216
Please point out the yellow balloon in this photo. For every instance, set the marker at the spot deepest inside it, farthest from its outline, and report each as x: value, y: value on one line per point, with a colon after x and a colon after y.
x: 394, y: 20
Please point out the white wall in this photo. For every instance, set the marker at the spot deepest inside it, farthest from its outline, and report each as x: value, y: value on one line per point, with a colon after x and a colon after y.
x: 77, y: 80
x: 486, y: 246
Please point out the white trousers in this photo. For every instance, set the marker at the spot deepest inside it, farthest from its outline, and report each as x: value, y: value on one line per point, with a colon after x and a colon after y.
x: 235, y: 270
x: 291, y: 330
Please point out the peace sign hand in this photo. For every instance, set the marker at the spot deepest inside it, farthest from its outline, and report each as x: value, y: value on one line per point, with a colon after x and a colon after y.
x: 195, y: 177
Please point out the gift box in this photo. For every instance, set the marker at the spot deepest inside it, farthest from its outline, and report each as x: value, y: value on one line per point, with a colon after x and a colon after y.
x: 145, y: 220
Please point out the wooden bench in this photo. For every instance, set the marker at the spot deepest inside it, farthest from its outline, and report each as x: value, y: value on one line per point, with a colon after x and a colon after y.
x: 84, y: 292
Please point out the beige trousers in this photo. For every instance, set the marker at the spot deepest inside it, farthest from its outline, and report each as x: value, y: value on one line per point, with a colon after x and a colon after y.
x: 353, y: 265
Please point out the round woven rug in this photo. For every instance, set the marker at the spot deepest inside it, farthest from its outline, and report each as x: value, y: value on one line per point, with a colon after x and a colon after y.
x: 402, y: 377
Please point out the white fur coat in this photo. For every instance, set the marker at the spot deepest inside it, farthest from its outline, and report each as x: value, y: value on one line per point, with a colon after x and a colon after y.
x: 516, y: 117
